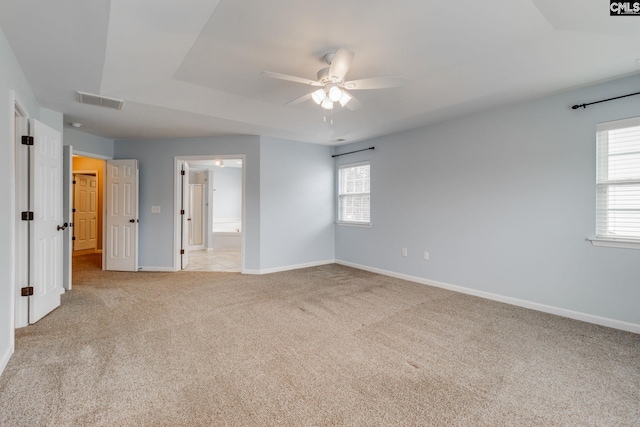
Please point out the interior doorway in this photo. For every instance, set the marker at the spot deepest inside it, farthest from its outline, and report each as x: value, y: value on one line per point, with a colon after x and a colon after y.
x: 87, y: 205
x: 210, y: 200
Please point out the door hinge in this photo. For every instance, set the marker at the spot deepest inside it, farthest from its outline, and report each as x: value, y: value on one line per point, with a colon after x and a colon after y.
x: 181, y: 172
x: 181, y: 211
x: 73, y: 238
x: 73, y: 182
x: 27, y: 140
x: 73, y: 210
x: 27, y: 216
x: 70, y: 224
x: 27, y: 291
x: 181, y: 251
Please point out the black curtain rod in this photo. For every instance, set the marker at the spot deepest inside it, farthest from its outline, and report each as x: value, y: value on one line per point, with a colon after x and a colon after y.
x: 351, y: 152
x: 575, y: 107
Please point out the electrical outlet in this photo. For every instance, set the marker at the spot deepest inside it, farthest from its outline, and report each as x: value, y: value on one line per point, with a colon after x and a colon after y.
x: 404, y: 251
x: 426, y: 255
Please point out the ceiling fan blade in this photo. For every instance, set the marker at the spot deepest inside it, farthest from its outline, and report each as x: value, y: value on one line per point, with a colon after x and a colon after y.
x: 300, y: 100
x: 375, y: 83
x: 353, y: 104
x: 340, y: 64
x: 291, y: 78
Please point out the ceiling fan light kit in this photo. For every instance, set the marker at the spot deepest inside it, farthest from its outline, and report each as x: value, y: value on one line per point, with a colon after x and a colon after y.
x: 318, y: 96
x: 334, y: 92
x: 332, y: 84
x: 344, y: 98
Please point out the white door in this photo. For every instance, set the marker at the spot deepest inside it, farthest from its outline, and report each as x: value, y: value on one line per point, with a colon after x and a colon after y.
x: 85, y: 217
x: 122, y: 215
x: 67, y: 206
x: 46, y: 229
x: 184, y: 212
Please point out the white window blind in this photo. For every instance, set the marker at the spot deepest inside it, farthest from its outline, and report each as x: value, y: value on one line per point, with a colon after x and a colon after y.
x: 354, y: 198
x: 618, y: 180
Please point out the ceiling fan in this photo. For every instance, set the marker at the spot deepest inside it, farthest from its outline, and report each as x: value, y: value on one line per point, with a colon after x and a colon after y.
x: 331, y: 84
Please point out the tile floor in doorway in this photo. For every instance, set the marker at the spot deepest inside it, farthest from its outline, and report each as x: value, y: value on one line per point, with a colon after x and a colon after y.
x: 216, y: 260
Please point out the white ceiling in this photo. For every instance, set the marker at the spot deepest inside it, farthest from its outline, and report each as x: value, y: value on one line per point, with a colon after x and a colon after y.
x: 194, y: 68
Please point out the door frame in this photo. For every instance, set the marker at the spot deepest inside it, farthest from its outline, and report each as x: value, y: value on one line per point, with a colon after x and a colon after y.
x: 19, y: 234
x: 177, y: 200
x: 104, y: 196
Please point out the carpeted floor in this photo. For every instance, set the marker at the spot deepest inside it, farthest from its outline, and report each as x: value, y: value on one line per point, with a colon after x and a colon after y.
x: 326, y: 345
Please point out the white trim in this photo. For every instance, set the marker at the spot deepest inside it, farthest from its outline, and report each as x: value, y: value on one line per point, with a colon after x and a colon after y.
x: 20, y: 314
x: 91, y: 155
x: 614, y: 243
x: 618, y: 124
x: 354, y: 224
x: 152, y: 268
x: 290, y: 267
x: 584, y: 317
x: 6, y: 356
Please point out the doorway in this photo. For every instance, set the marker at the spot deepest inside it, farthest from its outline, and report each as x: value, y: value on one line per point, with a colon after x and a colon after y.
x: 88, y: 205
x: 209, y: 235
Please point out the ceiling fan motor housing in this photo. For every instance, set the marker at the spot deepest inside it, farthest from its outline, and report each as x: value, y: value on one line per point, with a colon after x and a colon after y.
x: 324, y: 78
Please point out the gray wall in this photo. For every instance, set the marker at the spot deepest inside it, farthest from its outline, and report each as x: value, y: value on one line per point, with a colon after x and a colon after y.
x: 503, y: 201
x: 87, y: 143
x: 297, y: 203
x: 288, y: 198
x: 156, y: 163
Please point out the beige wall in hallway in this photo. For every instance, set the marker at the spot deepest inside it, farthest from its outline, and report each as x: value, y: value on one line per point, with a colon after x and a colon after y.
x: 89, y: 164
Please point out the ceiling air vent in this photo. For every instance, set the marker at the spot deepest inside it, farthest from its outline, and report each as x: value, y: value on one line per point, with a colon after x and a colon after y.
x: 100, y: 101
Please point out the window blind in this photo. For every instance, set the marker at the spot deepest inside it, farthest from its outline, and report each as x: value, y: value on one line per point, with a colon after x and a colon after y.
x: 354, y: 188
x: 618, y: 180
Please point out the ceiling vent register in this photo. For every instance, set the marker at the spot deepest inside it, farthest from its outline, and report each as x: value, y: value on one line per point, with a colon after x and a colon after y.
x: 100, y: 101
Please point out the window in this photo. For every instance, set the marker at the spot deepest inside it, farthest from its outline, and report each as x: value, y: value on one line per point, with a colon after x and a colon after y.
x: 618, y: 181
x: 354, y: 198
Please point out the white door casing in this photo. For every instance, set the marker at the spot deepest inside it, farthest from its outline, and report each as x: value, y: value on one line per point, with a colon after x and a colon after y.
x: 46, y: 231
x: 67, y: 205
x: 21, y: 252
x: 85, y: 218
x: 184, y: 244
x: 122, y: 215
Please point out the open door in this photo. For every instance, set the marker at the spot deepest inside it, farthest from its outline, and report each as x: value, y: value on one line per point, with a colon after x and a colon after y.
x: 46, y: 228
x: 185, y: 217
x: 122, y: 215
x: 67, y: 206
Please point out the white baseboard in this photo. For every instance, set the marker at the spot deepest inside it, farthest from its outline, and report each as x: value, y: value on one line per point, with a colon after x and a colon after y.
x: 589, y: 318
x: 290, y: 267
x: 151, y: 268
x: 4, y: 360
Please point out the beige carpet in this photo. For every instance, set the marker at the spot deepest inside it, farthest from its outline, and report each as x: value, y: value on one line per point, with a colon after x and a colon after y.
x: 321, y: 346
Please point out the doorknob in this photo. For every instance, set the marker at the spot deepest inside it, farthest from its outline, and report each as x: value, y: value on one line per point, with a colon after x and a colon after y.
x: 62, y: 227
x: 132, y: 220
